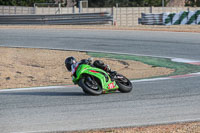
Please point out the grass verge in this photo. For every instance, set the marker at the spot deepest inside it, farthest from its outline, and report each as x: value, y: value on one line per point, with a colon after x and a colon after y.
x: 180, y: 68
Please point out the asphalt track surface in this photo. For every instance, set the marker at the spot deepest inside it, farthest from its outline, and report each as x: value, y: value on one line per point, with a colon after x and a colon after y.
x: 67, y: 108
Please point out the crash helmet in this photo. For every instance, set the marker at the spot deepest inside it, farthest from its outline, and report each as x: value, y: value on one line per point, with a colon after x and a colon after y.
x: 69, y: 62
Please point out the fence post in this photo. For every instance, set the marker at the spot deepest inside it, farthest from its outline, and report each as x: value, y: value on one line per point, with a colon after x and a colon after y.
x: 120, y: 17
x: 116, y: 21
x: 35, y: 10
x: 28, y: 11
x: 48, y: 10
x: 3, y: 10
x: 59, y: 8
x: 112, y: 13
x: 73, y: 9
x: 80, y: 6
x: 132, y: 17
x: 126, y: 17
x: 43, y: 10
x: 163, y: 3
x: 139, y: 12
x: 8, y: 9
x: 151, y: 9
x: 22, y: 10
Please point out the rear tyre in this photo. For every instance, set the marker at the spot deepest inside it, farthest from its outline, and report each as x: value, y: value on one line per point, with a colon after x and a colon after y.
x: 125, y: 85
x: 90, y: 85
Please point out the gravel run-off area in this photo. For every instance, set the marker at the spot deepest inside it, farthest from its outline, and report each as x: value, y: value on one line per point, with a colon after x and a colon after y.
x: 193, y: 127
x: 29, y: 67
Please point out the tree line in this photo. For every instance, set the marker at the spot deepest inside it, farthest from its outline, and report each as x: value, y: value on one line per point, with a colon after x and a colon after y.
x: 100, y: 3
x: 124, y: 3
x: 23, y: 2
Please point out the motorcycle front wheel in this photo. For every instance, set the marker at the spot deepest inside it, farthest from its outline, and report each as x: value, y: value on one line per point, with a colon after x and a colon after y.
x: 125, y: 85
x: 90, y: 85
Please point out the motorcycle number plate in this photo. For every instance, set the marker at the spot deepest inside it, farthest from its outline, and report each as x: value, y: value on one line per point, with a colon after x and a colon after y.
x: 111, y: 86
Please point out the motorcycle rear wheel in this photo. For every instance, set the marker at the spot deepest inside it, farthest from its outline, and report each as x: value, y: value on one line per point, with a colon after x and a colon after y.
x: 90, y: 85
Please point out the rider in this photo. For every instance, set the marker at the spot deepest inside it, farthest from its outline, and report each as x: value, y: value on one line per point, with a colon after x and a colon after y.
x: 72, y: 65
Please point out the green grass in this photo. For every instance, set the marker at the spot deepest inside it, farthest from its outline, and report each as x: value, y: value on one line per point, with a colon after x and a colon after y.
x: 180, y: 68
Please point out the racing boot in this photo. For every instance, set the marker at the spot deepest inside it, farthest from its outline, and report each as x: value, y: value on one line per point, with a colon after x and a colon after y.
x: 112, y: 74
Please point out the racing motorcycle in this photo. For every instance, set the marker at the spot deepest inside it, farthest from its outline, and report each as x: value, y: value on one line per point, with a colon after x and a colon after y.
x: 95, y: 81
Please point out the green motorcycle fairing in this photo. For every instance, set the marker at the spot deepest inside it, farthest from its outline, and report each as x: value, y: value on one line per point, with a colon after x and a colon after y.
x: 107, y: 84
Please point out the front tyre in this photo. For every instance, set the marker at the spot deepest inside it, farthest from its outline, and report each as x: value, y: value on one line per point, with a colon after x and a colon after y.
x: 125, y: 85
x: 90, y: 85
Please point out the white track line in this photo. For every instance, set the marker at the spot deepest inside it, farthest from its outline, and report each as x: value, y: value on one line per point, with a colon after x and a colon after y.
x: 184, y: 60
x: 34, y: 88
x: 146, y: 80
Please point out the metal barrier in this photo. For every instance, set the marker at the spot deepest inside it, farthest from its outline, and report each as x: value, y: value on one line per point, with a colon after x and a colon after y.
x: 60, y: 19
x: 151, y: 19
x: 181, y: 18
